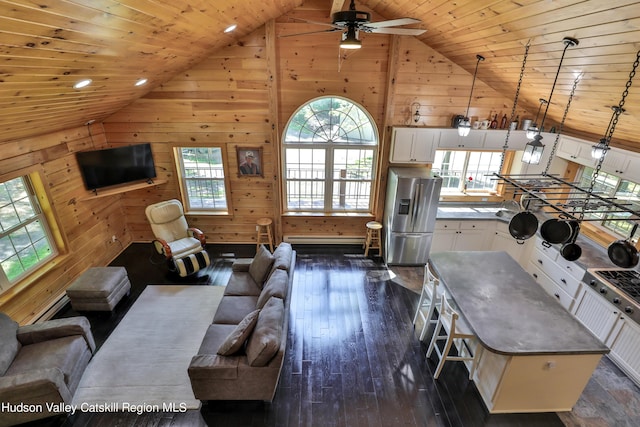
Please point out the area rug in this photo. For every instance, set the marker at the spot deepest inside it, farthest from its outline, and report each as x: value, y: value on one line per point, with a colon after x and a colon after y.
x: 142, y: 366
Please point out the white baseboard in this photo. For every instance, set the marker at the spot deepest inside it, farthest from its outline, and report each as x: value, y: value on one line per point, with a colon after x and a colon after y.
x: 319, y: 240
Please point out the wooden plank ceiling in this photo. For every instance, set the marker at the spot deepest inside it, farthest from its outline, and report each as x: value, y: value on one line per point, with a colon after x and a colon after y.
x: 46, y: 46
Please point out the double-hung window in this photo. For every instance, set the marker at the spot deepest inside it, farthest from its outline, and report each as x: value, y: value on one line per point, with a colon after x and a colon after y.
x: 330, y: 147
x: 25, y: 240
x: 626, y: 193
x: 202, y: 178
x: 467, y: 171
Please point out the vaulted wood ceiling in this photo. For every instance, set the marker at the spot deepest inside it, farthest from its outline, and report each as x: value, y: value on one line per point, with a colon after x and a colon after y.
x: 46, y: 46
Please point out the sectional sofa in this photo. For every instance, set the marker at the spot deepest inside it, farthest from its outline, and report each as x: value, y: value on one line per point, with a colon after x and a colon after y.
x: 243, y: 350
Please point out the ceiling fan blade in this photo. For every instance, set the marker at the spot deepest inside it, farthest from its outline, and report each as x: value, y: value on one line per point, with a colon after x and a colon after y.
x: 326, y: 24
x: 331, y: 30
x: 393, y: 22
x: 398, y: 31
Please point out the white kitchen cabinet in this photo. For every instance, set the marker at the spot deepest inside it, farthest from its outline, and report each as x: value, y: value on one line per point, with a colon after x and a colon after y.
x: 414, y: 145
x: 575, y: 150
x: 504, y: 241
x: 620, y: 163
x: 624, y: 342
x: 450, y: 140
x: 549, y: 285
x: 595, y: 312
x: 461, y: 235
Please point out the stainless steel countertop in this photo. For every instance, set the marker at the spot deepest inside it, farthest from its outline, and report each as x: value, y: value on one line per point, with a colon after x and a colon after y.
x: 508, y: 311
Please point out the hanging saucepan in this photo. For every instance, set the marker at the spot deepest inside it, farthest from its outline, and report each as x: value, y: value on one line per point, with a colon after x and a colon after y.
x: 556, y: 230
x: 523, y: 225
x: 622, y: 252
x: 571, y: 251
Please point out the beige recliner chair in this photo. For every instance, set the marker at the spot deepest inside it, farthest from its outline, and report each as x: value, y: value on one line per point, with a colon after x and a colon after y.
x: 41, y: 366
x: 183, y: 246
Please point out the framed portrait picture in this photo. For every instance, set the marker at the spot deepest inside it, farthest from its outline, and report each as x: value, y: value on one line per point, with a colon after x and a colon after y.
x: 249, y: 161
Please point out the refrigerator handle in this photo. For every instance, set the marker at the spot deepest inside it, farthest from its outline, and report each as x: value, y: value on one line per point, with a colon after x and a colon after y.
x: 418, y: 202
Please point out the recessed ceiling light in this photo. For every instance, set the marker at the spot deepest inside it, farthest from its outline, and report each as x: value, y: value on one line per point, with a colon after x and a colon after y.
x: 141, y: 82
x: 82, y: 83
x: 230, y: 28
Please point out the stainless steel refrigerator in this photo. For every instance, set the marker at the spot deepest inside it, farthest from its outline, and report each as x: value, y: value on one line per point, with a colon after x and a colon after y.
x: 410, y: 215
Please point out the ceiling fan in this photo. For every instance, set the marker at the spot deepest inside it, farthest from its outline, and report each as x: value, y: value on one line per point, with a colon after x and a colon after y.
x: 352, y: 21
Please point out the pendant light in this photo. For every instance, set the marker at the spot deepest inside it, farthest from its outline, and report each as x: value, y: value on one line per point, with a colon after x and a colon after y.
x: 533, y: 150
x: 533, y: 129
x: 600, y: 149
x: 464, y: 127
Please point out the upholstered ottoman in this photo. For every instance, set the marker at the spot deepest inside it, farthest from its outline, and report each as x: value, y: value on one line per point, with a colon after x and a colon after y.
x: 99, y: 289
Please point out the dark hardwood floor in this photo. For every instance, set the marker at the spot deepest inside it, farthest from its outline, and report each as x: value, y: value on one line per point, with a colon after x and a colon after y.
x: 352, y: 358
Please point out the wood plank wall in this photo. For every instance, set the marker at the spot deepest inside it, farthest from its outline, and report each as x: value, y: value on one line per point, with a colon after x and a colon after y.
x: 86, y: 225
x: 226, y: 99
x: 240, y: 96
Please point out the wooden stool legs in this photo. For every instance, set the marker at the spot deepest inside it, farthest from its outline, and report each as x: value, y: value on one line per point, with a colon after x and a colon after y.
x: 373, y: 238
x: 264, y: 233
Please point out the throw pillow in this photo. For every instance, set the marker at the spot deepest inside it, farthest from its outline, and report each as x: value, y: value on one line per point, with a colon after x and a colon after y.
x: 264, y: 342
x: 234, y: 342
x: 10, y: 345
x: 276, y: 286
x: 261, y: 265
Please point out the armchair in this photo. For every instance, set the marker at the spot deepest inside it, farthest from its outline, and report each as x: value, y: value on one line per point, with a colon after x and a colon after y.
x: 182, y: 246
x: 41, y: 365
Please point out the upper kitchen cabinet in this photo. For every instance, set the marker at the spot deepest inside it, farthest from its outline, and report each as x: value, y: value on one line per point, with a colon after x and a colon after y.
x: 414, y: 145
x: 618, y: 162
x: 449, y: 139
x: 575, y: 150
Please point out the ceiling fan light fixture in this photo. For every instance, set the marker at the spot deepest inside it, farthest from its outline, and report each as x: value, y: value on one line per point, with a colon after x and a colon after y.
x: 350, y: 39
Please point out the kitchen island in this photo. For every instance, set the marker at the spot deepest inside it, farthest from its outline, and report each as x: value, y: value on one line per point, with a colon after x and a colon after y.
x: 537, y: 357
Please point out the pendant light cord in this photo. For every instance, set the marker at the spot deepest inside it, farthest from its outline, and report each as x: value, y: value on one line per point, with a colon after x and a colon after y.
x: 567, y: 42
x: 480, y: 58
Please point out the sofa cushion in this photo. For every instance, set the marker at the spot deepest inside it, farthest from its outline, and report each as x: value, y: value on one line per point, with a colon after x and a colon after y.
x: 282, y: 256
x: 61, y: 353
x: 261, y: 265
x: 264, y: 342
x: 241, y: 283
x: 214, y: 337
x: 275, y: 286
x: 236, y: 339
x: 9, y: 344
x: 233, y: 308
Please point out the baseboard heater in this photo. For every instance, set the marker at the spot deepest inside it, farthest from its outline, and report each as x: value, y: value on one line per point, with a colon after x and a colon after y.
x: 321, y: 240
x: 50, y: 311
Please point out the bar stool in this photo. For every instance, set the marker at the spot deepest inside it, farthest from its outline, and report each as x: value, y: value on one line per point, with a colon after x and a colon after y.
x: 373, y: 237
x: 264, y: 233
x: 458, y: 332
x: 429, y: 299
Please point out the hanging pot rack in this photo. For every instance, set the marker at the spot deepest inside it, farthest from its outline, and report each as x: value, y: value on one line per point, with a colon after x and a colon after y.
x: 564, y: 198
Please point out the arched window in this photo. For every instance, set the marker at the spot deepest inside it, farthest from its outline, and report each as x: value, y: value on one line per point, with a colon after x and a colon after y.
x: 330, y: 147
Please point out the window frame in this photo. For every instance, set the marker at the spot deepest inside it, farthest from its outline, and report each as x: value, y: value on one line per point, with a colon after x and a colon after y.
x: 36, y: 194
x: 184, y: 193
x: 463, y: 188
x: 330, y: 180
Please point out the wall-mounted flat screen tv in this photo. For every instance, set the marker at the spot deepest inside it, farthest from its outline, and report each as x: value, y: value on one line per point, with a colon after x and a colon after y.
x: 113, y: 166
